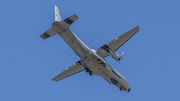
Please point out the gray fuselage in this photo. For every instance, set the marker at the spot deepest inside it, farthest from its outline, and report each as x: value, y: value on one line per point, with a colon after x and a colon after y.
x: 90, y: 60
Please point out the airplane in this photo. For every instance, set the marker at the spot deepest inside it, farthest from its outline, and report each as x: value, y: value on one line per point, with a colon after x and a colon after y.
x: 92, y: 61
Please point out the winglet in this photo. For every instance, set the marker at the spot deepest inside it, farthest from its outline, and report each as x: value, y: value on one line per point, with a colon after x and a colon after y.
x: 57, y: 14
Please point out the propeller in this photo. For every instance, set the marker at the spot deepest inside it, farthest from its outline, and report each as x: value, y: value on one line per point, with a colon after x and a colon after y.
x: 120, y: 57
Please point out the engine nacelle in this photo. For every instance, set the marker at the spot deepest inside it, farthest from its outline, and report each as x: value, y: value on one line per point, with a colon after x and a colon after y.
x: 114, y: 55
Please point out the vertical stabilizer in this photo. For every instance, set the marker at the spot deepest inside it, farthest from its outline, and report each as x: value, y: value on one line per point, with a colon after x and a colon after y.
x: 57, y: 14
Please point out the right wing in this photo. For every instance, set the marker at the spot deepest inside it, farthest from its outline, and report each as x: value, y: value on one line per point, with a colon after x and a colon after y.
x: 116, y: 43
x: 75, y: 68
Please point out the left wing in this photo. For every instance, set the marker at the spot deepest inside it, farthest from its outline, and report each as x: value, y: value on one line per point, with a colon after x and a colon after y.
x: 75, y: 68
x: 116, y: 43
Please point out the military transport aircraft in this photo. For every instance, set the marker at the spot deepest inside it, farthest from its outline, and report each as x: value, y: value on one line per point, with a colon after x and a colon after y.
x: 92, y: 61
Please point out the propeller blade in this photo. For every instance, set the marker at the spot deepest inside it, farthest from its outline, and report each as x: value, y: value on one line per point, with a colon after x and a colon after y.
x: 122, y: 57
x: 122, y: 53
x: 117, y: 54
x: 114, y: 63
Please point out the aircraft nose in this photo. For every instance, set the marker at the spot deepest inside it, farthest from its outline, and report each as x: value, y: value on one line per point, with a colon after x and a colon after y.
x: 129, y: 90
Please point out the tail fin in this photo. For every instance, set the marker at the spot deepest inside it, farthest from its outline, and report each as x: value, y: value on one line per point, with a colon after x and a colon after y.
x: 57, y: 14
x: 58, y: 18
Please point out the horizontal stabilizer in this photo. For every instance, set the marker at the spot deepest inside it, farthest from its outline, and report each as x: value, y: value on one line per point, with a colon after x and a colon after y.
x: 48, y: 33
x: 71, y: 19
x: 75, y: 68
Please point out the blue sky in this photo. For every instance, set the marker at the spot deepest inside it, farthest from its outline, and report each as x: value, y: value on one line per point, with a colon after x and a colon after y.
x: 28, y: 63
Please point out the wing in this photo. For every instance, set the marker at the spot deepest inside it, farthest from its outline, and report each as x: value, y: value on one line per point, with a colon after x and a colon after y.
x: 116, y: 43
x: 75, y: 68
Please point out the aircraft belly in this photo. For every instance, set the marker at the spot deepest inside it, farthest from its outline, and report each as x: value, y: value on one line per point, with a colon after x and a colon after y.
x: 95, y: 69
x: 73, y: 43
x: 115, y: 80
x: 98, y: 70
x: 93, y: 64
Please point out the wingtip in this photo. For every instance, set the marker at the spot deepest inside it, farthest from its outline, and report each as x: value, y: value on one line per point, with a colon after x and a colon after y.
x: 53, y: 79
x: 138, y: 26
